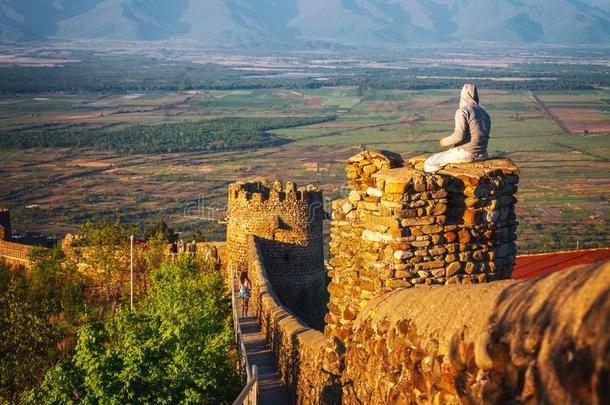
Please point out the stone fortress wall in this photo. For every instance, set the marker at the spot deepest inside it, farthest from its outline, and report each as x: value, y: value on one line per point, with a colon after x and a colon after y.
x: 297, y: 348
x: 401, y: 227
x: 288, y: 224
x: 12, y: 253
x: 15, y: 253
x: 456, y: 337
x: 541, y: 341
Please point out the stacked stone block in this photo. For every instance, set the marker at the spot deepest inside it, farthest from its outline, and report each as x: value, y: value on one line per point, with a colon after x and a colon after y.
x: 401, y: 227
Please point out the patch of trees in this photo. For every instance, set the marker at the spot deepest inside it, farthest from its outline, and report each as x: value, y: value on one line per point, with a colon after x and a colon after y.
x: 67, y: 335
x: 37, y: 315
x: 189, y: 136
x: 176, y: 348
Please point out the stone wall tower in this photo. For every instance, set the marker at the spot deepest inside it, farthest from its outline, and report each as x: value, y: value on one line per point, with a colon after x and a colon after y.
x: 288, y: 224
x: 402, y: 227
x: 5, y: 224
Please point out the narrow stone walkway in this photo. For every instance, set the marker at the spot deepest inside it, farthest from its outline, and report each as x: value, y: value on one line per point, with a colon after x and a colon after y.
x: 271, y: 389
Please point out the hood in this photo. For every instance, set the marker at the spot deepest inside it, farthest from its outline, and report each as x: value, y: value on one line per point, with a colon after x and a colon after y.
x: 470, y: 95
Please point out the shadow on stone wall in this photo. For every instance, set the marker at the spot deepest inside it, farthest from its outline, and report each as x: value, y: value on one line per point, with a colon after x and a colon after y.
x: 298, y: 279
x: 298, y: 349
x: 559, y: 342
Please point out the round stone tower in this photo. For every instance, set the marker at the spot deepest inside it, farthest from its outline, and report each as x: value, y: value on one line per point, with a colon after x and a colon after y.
x: 287, y: 223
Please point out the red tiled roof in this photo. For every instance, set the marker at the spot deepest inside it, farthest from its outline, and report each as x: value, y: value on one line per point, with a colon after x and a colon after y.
x: 530, y: 266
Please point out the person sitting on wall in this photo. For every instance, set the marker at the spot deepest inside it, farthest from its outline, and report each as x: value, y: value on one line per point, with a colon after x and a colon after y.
x: 469, y: 140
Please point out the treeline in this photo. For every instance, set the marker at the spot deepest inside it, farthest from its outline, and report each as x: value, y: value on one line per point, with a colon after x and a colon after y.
x: 189, y: 136
x: 114, y: 74
x: 139, y: 74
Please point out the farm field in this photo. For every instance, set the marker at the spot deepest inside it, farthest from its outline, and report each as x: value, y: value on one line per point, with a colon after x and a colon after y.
x: 584, y: 112
x: 563, y: 194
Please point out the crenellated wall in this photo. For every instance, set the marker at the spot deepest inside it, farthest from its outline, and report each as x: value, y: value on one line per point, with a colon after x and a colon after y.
x: 420, y: 308
x: 288, y: 223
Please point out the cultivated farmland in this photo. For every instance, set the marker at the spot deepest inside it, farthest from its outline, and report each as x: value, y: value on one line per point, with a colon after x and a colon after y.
x: 559, y: 138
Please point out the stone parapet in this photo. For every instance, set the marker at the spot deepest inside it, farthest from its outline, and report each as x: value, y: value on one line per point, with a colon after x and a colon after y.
x: 495, y: 343
x: 16, y: 254
x: 297, y: 348
x: 401, y: 227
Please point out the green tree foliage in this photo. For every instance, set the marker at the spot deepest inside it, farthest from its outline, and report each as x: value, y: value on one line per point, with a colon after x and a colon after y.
x: 26, y: 338
x: 160, y: 230
x: 104, y: 233
x: 177, y: 348
x: 198, y: 236
x: 106, y: 251
x: 55, y: 283
x: 36, y: 315
x: 147, y: 259
x: 189, y: 136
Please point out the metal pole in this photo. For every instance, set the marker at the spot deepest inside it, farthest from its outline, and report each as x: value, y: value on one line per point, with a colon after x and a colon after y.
x: 131, y: 274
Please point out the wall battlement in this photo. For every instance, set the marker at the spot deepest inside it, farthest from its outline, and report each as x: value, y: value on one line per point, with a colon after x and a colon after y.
x: 421, y: 309
x: 263, y: 192
x: 401, y: 227
x: 288, y: 222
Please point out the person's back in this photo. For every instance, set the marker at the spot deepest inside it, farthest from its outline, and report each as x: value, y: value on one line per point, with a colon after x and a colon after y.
x: 470, y: 138
x: 479, y: 126
x: 244, y: 288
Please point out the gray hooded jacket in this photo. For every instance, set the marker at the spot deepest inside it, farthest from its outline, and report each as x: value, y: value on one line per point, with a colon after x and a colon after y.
x: 472, y: 124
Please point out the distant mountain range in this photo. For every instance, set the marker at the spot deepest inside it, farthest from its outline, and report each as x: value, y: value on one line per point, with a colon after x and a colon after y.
x: 295, y: 23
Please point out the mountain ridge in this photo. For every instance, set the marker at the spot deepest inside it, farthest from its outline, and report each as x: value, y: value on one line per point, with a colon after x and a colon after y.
x: 351, y: 23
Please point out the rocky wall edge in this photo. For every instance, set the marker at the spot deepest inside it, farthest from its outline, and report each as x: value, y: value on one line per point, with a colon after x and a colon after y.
x: 545, y: 340
x: 297, y: 349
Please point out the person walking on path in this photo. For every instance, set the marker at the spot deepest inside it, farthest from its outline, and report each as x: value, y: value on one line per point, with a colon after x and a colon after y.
x: 468, y: 142
x: 244, y: 292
